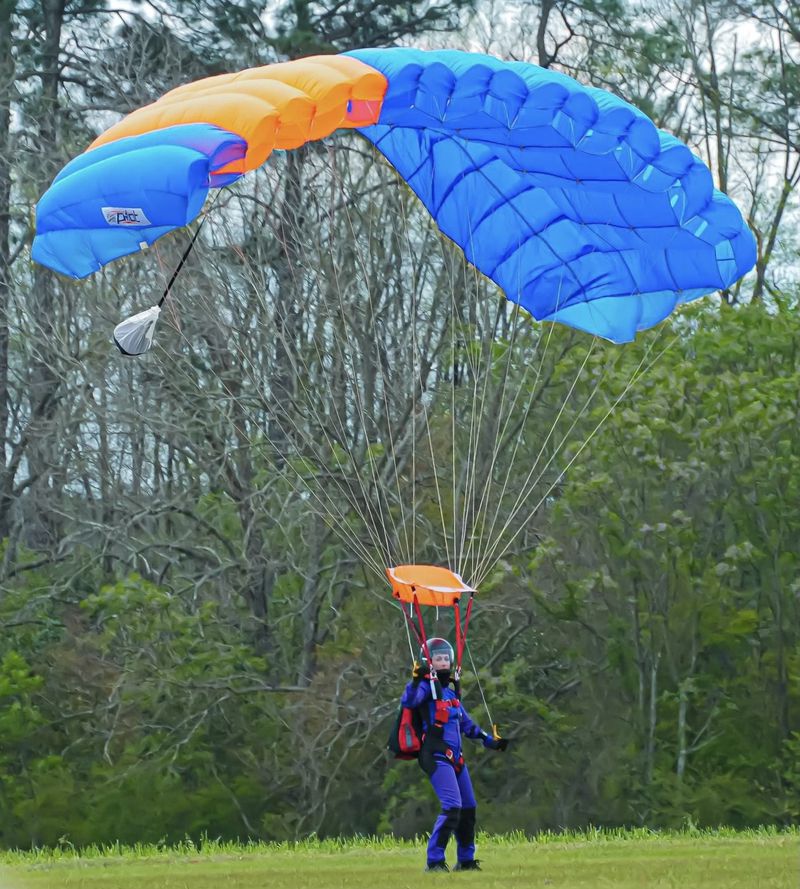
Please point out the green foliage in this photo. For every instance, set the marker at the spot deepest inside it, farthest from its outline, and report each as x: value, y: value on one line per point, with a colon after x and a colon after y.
x: 643, y: 656
x: 685, y: 503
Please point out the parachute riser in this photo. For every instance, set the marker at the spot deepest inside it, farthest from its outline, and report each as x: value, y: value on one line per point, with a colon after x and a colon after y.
x: 461, y: 631
x: 418, y: 629
x: 461, y: 639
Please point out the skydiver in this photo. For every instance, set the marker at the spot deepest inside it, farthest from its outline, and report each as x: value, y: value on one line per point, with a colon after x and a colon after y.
x: 444, y: 721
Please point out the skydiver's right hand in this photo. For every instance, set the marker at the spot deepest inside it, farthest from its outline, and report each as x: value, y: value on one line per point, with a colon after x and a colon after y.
x: 418, y: 672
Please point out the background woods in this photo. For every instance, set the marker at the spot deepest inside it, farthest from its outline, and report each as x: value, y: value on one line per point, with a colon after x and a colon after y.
x: 196, y: 635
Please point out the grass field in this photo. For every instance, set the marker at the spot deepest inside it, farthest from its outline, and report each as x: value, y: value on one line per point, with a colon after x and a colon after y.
x: 763, y: 859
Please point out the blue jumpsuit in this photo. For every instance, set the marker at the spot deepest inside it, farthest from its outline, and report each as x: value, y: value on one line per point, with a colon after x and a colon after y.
x: 450, y: 776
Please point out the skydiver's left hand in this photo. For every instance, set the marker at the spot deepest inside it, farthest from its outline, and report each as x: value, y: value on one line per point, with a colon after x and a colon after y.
x: 495, y: 743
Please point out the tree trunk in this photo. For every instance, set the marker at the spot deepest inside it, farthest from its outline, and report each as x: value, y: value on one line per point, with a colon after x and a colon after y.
x: 45, y: 378
x: 7, y: 9
x: 653, y: 721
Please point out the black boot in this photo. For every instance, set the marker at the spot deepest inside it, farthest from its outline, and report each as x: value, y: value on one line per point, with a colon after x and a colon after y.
x: 468, y: 865
x: 438, y: 865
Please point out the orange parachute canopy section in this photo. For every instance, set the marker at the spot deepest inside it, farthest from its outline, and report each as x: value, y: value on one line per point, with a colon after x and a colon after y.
x: 428, y: 584
x: 280, y: 106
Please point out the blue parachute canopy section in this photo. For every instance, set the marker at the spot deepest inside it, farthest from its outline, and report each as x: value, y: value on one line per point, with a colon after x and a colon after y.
x: 568, y: 197
x: 113, y: 200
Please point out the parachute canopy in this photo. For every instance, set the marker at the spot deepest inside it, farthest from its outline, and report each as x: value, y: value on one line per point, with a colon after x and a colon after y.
x: 566, y: 196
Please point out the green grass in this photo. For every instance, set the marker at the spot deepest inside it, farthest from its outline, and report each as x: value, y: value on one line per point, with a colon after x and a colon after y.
x: 719, y: 859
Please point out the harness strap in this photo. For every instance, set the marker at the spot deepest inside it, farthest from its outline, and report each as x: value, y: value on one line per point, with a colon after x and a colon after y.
x: 457, y: 764
x: 441, y: 715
